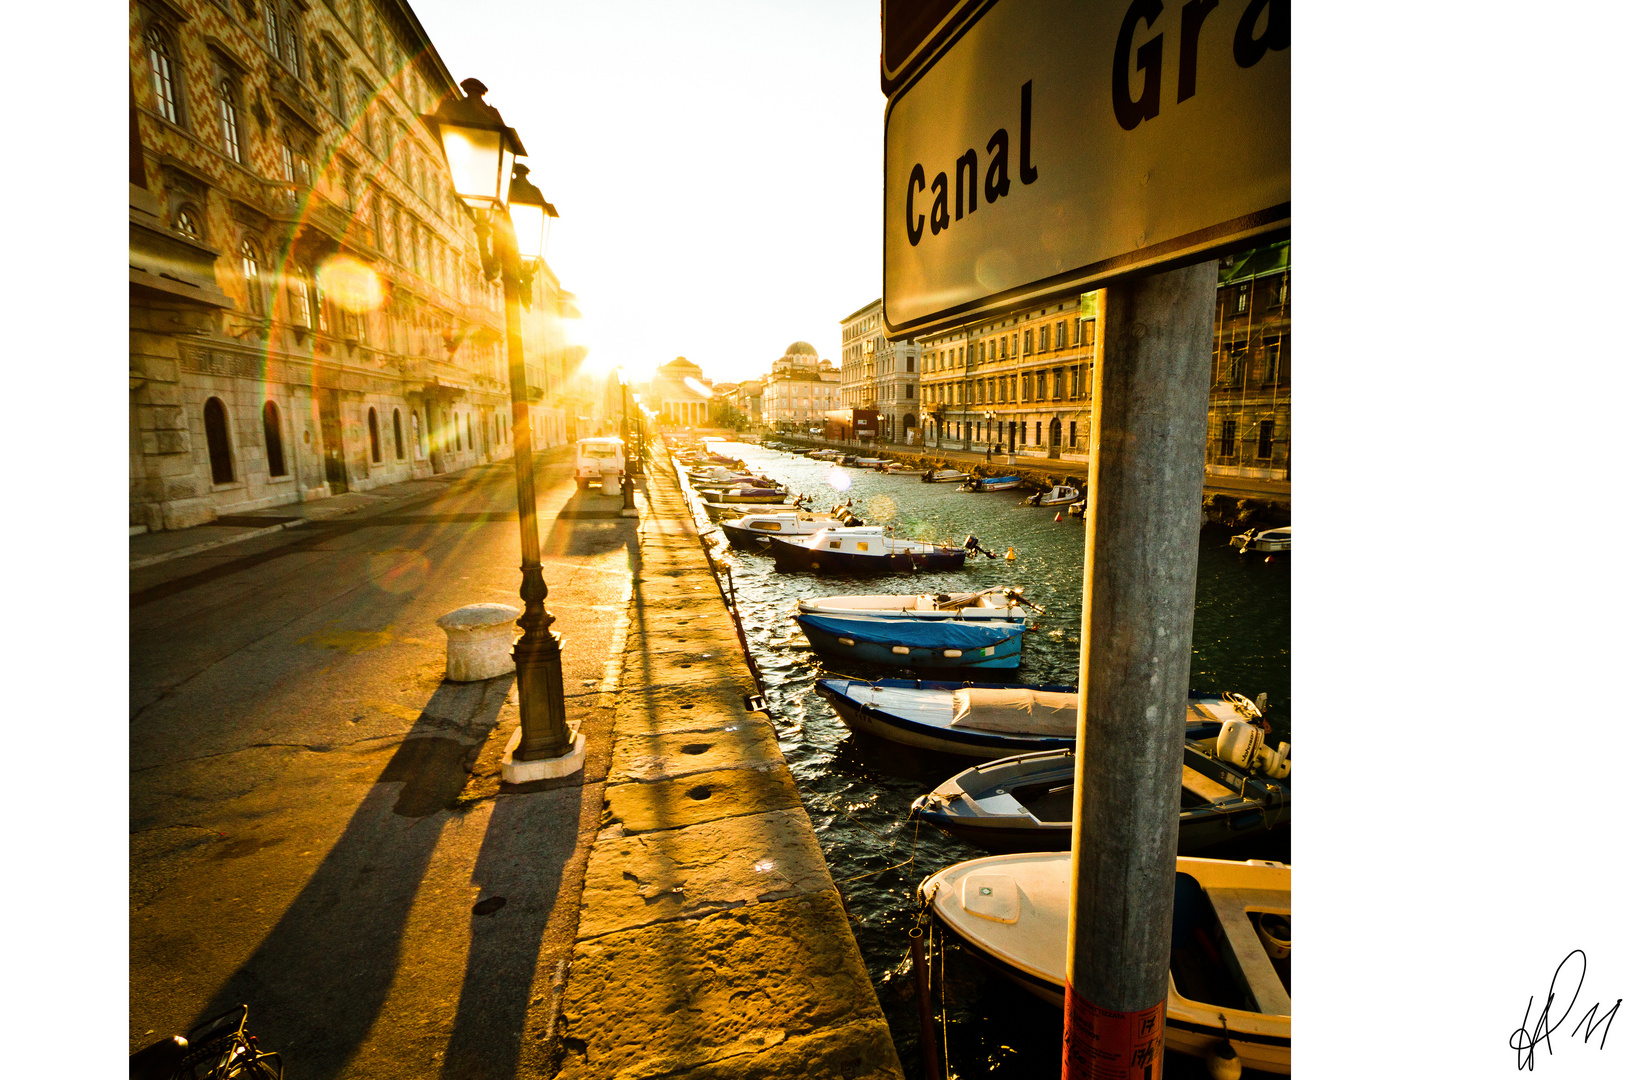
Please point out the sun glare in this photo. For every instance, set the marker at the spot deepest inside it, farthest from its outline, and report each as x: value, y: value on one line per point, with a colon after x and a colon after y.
x: 352, y: 284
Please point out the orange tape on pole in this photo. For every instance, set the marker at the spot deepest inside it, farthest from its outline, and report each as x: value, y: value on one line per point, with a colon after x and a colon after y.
x: 1100, y: 1044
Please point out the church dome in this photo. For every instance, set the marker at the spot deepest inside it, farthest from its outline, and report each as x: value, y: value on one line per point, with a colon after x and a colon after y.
x: 801, y: 348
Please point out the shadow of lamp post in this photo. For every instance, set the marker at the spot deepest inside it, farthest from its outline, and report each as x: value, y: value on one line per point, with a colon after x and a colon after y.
x: 511, y: 217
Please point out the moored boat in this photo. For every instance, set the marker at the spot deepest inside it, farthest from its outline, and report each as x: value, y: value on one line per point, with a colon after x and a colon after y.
x: 998, y: 604
x: 1265, y: 540
x: 977, y: 719
x: 1228, y: 960
x: 749, y: 531
x: 991, y: 483
x: 830, y: 553
x: 946, y: 643
x: 745, y: 493
x: 1059, y: 495
x: 944, y: 476
x: 1024, y: 802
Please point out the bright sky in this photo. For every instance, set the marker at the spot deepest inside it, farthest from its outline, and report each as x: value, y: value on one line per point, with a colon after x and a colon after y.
x: 717, y: 165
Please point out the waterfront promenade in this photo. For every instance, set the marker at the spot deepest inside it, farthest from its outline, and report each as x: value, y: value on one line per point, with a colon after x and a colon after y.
x: 319, y: 828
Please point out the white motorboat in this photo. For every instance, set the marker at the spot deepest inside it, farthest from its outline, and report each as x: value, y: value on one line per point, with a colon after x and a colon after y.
x: 1229, y: 955
x: 1265, y: 540
x: 998, y: 604
x: 1059, y: 495
x: 749, y: 532
x: 871, y: 553
x: 944, y: 476
x: 719, y: 511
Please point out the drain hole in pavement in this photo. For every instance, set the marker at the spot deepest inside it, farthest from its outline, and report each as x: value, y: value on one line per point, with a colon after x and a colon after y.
x: 686, y: 665
x: 686, y: 706
x: 699, y: 792
x: 489, y: 906
x: 696, y: 748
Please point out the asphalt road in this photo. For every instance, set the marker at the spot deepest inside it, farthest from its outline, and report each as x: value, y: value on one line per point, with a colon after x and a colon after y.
x: 304, y: 834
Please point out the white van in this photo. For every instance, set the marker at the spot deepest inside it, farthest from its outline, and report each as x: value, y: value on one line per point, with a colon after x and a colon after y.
x: 595, y: 457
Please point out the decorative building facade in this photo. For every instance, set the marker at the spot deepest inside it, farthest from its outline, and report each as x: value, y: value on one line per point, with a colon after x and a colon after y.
x: 880, y: 375
x: 308, y: 312
x: 800, y: 389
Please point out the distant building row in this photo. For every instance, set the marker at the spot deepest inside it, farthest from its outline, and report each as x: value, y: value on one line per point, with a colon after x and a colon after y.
x: 1021, y: 381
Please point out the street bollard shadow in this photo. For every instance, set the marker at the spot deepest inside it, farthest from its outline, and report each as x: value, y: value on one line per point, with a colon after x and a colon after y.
x: 319, y: 979
x: 519, y: 869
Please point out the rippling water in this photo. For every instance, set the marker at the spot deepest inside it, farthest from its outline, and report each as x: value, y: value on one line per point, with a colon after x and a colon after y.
x: 857, y: 790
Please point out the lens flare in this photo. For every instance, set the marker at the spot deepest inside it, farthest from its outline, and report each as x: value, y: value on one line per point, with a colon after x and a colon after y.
x: 398, y: 571
x: 881, y: 507
x: 838, y: 479
x: 353, y: 285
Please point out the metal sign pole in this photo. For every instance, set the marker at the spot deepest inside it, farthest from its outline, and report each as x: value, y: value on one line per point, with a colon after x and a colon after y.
x: 1149, y: 413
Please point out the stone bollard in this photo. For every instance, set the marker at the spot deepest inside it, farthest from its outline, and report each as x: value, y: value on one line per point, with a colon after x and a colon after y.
x: 478, y: 641
x: 611, y: 483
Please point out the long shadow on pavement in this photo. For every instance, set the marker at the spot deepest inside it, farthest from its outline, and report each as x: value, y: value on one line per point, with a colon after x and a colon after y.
x: 319, y: 979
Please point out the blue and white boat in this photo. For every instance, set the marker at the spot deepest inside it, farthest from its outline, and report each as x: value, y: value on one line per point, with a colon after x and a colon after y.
x: 942, y: 643
x: 991, y: 483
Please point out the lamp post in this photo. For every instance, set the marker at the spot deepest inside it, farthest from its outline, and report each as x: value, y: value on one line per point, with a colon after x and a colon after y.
x: 511, y: 219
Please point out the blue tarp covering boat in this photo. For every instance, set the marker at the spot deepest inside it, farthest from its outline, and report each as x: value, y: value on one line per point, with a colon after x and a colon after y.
x: 916, y: 642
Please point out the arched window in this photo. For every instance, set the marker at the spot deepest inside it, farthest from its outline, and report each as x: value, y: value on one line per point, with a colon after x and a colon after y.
x: 398, y: 437
x: 228, y: 119
x: 376, y: 436
x: 250, y: 266
x: 162, y: 72
x: 293, y: 51
x: 470, y: 431
x: 416, y: 434
x: 270, y: 23
x: 187, y: 222
x: 271, y: 437
x: 216, y: 442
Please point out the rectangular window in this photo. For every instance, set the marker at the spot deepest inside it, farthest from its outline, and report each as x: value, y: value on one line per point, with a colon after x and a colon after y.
x: 1072, y: 436
x: 909, y: 393
x: 285, y: 163
x: 912, y: 364
x: 1228, y: 438
x: 1060, y: 334
x: 1242, y: 298
x: 1027, y: 351
x: 1043, y: 338
x: 1043, y: 385
x: 1038, y: 440
x: 1060, y: 383
x: 298, y: 294
x: 1267, y: 427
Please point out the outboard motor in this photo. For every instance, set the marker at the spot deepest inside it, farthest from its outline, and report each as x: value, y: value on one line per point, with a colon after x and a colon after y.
x: 973, y: 546
x: 1244, y: 745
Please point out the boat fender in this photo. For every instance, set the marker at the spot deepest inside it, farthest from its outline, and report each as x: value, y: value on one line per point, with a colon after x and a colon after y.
x: 1010, y: 555
x: 1057, y: 515
x: 1223, y: 1062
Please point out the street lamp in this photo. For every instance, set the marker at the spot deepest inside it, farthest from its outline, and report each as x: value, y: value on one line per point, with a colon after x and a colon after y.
x: 481, y: 152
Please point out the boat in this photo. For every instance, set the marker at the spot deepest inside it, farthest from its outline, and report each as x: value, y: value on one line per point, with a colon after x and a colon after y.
x: 821, y: 454
x: 1024, y: 802
x: 868, y: 462
x: 991, y: 483
x: 722, y: 511
x: 944, y: 476
x: 942, y: 643
x: 747, y: 531
x: 1228, y: 958
x: 997, y: 604
x: 831, y: 553
x: 984, y: 720
x: 898, y: 467
x: 1059, y: 495
x: 1077, y: 508
x: 745, y: 493
x: 1266, y: 540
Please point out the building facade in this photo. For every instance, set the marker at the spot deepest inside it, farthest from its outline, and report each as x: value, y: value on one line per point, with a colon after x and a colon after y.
x: 1018, y: 382
x: 308, y: 311
x: 800, y: 389
x: 880, y: 375
x: 1251, y: 392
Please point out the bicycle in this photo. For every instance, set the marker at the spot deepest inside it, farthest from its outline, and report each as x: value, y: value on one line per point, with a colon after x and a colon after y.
x: 218, y: 1049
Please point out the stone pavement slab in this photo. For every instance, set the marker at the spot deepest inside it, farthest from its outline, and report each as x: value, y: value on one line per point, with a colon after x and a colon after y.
x: 736, y: 744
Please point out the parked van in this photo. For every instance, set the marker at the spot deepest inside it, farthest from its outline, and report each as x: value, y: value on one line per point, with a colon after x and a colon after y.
x: 595, y: 457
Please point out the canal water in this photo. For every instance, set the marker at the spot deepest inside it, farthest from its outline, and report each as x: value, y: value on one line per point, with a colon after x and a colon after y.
x: 857, y: 789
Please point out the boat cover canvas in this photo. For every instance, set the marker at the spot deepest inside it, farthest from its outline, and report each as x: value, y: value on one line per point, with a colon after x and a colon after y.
x: 1018, y: 710
x: 919, y: 633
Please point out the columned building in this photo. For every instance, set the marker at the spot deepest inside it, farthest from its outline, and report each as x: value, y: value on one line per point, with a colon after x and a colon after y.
x: 880, y: 375
x: 679, y: 394
x: 308, y: 313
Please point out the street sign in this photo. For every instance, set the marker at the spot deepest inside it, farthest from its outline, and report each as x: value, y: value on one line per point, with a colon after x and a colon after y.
x: 1050, y: 148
